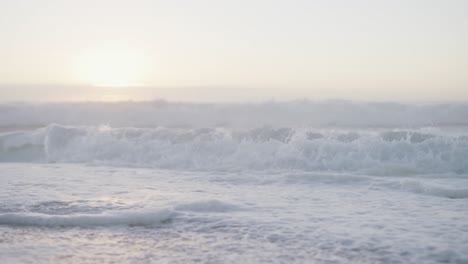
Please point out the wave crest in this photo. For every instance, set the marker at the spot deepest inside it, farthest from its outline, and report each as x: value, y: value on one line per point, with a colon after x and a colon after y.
x: 385, y: 152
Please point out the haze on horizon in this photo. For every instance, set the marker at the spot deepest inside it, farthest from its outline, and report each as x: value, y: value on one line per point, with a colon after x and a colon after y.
x: 414, y: 50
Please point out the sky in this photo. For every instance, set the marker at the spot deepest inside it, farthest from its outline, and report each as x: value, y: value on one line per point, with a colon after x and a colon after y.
x: 243, y: 50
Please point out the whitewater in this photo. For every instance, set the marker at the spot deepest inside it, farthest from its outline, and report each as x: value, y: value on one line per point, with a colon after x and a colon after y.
x: 273, y: 182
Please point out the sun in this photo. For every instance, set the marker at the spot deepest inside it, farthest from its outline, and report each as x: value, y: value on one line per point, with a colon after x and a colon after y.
x: 111, y: 66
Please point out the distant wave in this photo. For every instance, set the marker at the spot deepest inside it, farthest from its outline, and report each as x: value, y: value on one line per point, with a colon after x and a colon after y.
x: 394, y: 152
x: 241, y: 115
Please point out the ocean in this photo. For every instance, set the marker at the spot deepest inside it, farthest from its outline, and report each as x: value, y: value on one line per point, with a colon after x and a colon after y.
x: 273, y: 182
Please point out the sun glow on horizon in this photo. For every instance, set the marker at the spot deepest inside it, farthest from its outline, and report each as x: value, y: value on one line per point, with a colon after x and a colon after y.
x: 112, y: 66
x: 118, y: 85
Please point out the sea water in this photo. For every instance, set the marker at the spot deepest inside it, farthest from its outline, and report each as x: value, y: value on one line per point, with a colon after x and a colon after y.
x: 304, y: 182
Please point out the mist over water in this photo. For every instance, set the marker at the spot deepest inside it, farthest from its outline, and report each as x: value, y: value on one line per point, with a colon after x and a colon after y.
x: 300, y: 113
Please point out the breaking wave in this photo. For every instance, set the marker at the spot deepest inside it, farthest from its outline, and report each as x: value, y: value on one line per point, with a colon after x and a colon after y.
x: 422, y: 187
x: 110, y: 219
x: 146, y: 217
x: 393, y: 152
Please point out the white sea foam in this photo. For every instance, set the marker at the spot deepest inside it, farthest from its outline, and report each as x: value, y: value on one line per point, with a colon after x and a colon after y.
x: 384, y: 152
x: 290, y: 182
x: 124, y: 213
x: 453, y: 188
x: 421, y: 187
x: 146, y: 217
x: 213, y: 206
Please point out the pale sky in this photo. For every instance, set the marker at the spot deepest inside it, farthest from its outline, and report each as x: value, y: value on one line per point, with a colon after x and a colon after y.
x: 239, y: 50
